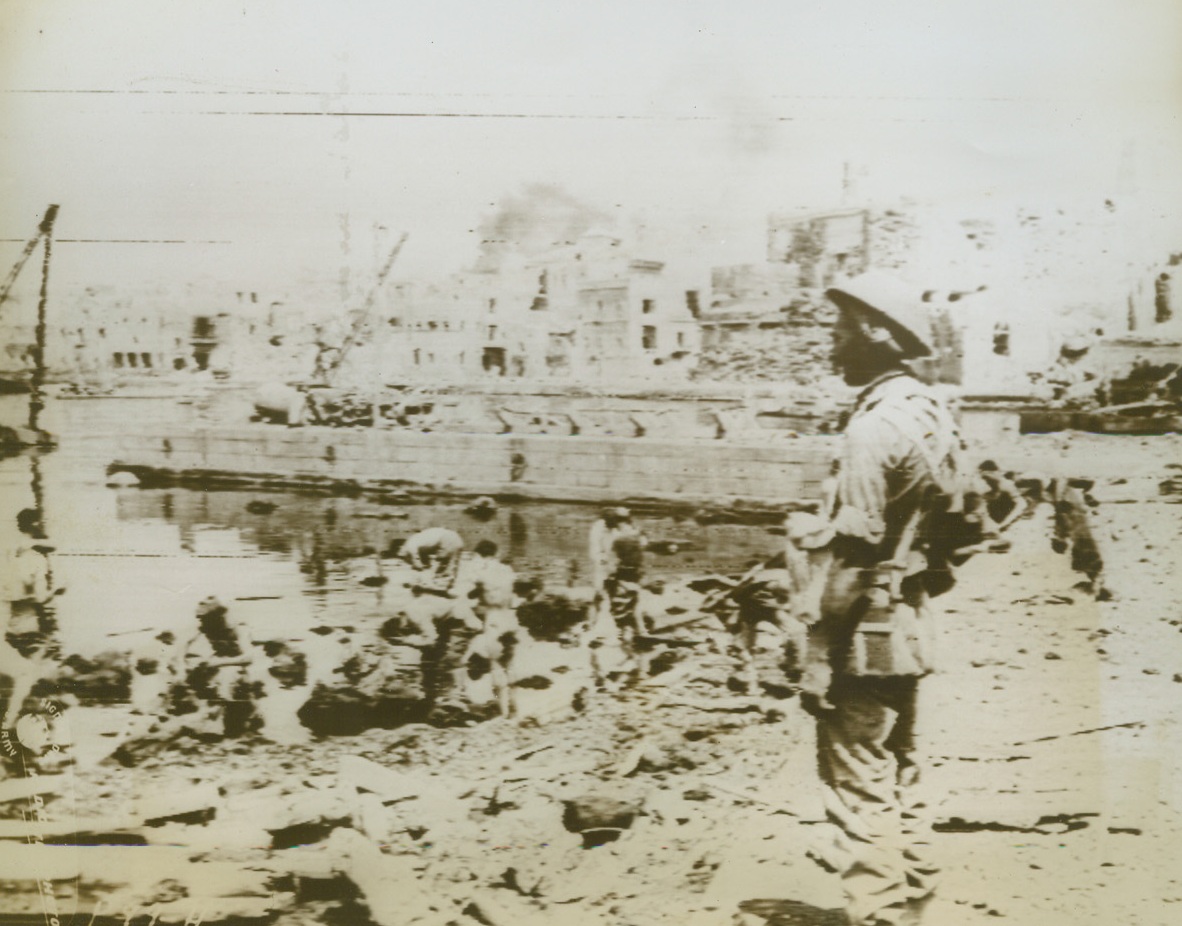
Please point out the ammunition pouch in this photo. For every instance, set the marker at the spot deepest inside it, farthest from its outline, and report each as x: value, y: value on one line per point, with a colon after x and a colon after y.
x: 890, y: 635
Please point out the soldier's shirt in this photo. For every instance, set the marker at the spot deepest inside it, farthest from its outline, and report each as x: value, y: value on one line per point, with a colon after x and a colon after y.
x: 900, y: 440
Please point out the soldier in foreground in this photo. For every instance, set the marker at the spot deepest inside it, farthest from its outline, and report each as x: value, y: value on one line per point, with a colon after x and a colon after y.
x: 896, y: 522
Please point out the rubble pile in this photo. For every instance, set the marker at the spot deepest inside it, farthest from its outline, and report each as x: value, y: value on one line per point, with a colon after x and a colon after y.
x: 1145, y: 382
x: 791, y: 347
x: 339, y: 408
x: 411, y: 826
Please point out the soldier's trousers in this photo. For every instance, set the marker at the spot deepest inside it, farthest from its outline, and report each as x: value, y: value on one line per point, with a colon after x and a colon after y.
x: 865, y: 747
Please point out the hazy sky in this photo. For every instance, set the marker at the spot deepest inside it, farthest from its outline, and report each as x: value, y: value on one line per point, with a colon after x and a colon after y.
x: 291, y: 130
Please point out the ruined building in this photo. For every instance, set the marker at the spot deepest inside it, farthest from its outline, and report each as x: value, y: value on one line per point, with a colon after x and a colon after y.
x: 581, y: 312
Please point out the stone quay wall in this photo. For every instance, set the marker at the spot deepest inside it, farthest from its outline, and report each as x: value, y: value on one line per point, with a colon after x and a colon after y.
x: 580, y: 468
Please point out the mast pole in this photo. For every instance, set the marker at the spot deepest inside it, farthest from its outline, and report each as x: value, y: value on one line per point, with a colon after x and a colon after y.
x: 36, y: 399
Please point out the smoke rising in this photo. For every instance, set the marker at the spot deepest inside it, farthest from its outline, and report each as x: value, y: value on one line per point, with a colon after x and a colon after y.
x: 537, y: 218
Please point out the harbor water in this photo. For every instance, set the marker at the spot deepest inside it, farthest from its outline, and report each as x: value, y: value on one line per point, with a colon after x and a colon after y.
x: 137, y: 561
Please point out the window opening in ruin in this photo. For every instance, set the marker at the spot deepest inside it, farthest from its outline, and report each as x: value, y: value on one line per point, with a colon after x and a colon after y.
x: 646, y: 306
x: 132, y: 359
x: 417, y: 357
x: 681, y: 339
x: 1163, y: 296
x: 493, y: 359
x: 691, y: 302
x: 492, y: 332
x: 1001, y: 339
x: 118, y: 358
x: 178, y: 363
x: 146, y: 360
x: 648, y: 337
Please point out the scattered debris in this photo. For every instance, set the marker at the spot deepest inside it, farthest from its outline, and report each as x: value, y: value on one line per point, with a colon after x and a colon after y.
x: 1133, y: 724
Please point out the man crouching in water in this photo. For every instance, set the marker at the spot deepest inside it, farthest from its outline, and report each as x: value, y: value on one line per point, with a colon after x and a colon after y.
x: 896, y: 521
x: 215, y: 664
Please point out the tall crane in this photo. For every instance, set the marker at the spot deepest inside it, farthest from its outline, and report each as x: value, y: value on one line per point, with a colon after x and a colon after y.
x: 44, y: 230
x: 37, y: 380
x: 324, y: 371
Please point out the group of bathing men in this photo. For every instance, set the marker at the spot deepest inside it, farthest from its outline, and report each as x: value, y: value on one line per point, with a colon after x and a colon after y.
x: 463, y: 615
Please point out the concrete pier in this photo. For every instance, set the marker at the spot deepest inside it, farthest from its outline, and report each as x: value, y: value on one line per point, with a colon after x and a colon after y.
x: 531, y: 466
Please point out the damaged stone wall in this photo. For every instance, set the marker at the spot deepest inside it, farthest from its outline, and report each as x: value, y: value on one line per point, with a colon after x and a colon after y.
x: 790, y: 346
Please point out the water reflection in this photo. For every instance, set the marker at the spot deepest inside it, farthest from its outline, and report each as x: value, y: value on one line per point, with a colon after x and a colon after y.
x: 545, y: 539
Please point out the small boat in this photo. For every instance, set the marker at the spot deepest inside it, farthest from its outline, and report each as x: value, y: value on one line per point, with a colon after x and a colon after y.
x: 1142, y: 418
x: 13, y: 440
x: 13, y: 384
